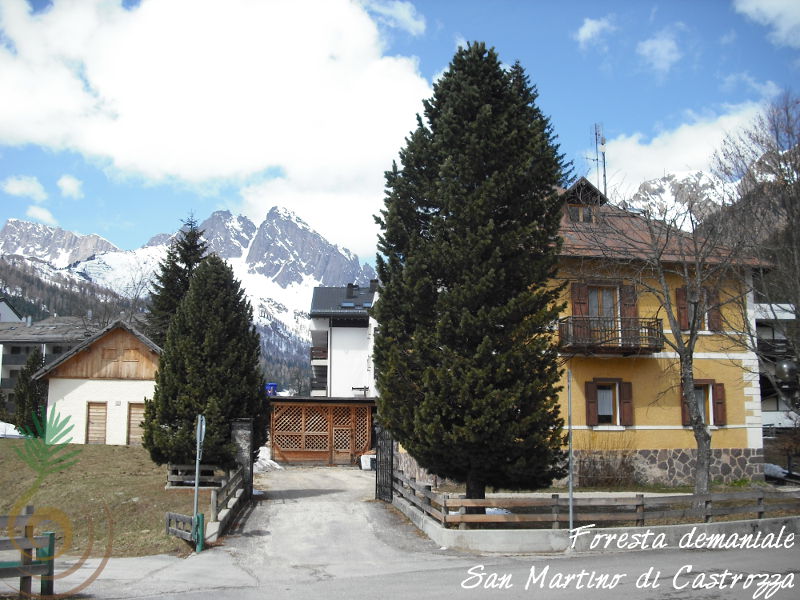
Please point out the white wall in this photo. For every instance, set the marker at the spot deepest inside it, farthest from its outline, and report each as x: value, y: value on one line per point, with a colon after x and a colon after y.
x: 71, y: 397
x: 7, y: 315
x: 350, y: 361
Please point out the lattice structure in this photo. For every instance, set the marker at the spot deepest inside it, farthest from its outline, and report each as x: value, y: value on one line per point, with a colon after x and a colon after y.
x: 332, y: 433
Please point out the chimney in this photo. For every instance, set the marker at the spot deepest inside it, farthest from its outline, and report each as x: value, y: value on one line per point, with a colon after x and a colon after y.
x: 350, y: 291
x: 373, y: 285
x: 28, y: 321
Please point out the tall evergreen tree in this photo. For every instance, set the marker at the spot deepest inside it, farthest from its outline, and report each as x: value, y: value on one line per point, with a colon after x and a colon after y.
x: 465, y: 361
x: 30, y: 395
x: 210, y: 366
x: 172, y: 281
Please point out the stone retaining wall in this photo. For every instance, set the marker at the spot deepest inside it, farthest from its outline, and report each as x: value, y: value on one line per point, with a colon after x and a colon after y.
x: 665, y: 467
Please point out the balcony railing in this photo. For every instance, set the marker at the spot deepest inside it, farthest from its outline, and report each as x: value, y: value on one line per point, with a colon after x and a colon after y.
x: 603, y: 335
x: 319, y: 353
x: 774, y: 349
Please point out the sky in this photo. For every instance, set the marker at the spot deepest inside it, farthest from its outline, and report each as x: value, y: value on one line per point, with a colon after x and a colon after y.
x: 125, y: 118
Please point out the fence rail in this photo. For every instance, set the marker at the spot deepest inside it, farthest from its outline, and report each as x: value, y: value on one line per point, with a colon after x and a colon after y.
x: 179, y: 525
x: 221, y: 498
x: 27, y: 566
x: 637, y: 510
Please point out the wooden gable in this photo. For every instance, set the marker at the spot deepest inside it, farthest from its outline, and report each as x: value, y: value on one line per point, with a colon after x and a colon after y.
x: 117, y: 355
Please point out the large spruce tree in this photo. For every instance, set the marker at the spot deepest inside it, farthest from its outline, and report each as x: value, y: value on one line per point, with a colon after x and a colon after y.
x: 210, y: 366
x: 30, y: 395
x: 465, y: 361
x: 172, y: 281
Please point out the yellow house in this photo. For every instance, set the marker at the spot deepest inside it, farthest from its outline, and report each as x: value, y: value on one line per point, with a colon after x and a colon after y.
x: 623, y: 377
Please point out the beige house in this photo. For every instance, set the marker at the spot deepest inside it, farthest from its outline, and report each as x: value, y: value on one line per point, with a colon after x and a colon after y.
x: 101, y: 384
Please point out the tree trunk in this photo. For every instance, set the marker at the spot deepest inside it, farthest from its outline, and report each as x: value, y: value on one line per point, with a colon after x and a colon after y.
x: 702, y: 436
x: 476, y: 490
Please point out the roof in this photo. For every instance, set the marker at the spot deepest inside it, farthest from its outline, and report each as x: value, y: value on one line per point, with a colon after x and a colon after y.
x: 351, y: 301
x: 50, y: 330
x: 118, y: 324
x: 11, y: 306
x: 622, y: 234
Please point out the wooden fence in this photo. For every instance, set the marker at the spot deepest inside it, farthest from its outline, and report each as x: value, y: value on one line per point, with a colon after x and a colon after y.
x: 182, y: 476
x: 552, y: 512
x: 27, y: 566
x: 179, y: 525
x: 225, y: 499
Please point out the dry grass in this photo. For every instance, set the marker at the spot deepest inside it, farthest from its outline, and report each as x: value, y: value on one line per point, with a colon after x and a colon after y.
x: 120, y: 481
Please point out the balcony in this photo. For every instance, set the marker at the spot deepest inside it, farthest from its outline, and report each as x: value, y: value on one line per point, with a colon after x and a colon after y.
x: 319, y: 353
x: 603, y: 335
x: 774, y: 349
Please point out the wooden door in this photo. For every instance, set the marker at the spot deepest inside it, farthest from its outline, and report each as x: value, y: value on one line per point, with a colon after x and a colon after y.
x: 96, y: 423
x: 135, y: 418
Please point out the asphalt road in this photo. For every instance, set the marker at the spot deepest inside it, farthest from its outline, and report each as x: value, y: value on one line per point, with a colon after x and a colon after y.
x: 318, y: 533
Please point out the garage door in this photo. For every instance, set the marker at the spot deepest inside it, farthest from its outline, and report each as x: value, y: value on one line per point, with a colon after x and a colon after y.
x: 135, y: 418
x: 96, y: 423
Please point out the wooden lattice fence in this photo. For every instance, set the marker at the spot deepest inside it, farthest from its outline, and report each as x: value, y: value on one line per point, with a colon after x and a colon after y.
x: 322, y: 433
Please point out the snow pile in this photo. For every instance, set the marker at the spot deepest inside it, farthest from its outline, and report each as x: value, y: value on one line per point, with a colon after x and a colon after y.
x: 265, y: 464
x: 7, y: 430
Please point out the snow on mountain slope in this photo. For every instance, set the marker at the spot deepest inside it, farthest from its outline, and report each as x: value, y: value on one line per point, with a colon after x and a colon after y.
x: 278, y: 263
x: 54, y: 245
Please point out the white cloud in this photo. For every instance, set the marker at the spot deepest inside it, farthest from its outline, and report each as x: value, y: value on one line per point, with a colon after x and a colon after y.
x: 24, y: 186
x: 728, y: 38
x: 660, y: 52
x: 396, y: 13
x: 766, y: 90
x: 592, y: 31
x: 39, y: 213
x: 634, y: 158
x: 782, y: 16
x: 70, y: 186
x: 202, y: 92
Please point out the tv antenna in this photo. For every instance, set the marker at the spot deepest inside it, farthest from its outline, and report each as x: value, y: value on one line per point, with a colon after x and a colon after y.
x: 600, y: 156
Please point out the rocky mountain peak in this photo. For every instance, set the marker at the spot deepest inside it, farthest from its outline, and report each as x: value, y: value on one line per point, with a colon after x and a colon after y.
x: 50, y: 244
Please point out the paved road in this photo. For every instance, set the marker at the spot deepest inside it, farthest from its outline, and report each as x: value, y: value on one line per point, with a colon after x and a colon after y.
x: 317, y: 533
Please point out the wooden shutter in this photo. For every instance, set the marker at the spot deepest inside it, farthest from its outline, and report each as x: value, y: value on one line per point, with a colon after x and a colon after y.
x: 720, y: 412
x: 682, y: 305
x: 626, y: 403
x: 714, y: 314
x: 135, y: 418
x: 629, y: 313
x: 685, y: 418
x: 580, y: 300
x: 96, y: 423
x: 591, y: 403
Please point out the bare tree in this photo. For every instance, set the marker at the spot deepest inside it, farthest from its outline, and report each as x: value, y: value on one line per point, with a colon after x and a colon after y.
x: 654, y: 242
x: 762, y: 163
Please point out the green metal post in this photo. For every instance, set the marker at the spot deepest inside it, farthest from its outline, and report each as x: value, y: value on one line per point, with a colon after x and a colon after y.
x: 48, y: 553
x: 199, y: 531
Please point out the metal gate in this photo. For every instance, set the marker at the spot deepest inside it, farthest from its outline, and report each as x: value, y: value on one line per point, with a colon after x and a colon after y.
x: 384, y: 463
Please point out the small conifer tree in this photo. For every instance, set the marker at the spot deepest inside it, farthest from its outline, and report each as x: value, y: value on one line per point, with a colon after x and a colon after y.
x: 30, y: 395
x: 210, y: 366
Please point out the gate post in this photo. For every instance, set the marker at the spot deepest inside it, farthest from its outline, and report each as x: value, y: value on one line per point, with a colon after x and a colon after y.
x: 242, y: 436
x: 384, y: 465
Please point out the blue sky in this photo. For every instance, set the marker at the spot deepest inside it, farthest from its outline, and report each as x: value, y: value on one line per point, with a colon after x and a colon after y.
x: 123, y: 118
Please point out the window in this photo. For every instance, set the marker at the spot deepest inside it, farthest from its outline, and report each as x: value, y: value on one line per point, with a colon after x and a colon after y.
x: 710, y: 398
x: 130, y: 355
x: 706, y: 300
x: 609, y: 402
x: 110, y: 354
x: 580, y: 213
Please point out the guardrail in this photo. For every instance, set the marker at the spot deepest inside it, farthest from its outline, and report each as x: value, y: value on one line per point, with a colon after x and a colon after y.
x: 552, y: 512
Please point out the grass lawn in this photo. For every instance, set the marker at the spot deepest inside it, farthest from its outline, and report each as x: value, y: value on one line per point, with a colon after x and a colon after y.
x: 121, y: 478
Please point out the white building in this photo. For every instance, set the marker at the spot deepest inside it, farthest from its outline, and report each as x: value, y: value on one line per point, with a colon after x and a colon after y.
x: 342, y: 337
x: 771, y: 322
x: 101, y: 384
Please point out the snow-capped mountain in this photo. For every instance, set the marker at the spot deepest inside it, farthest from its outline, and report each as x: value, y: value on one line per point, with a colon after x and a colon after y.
x: 50, y: 244
x: 278, y: 263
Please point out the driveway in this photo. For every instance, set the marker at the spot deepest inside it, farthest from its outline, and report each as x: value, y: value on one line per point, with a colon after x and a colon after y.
x: 317, y: 523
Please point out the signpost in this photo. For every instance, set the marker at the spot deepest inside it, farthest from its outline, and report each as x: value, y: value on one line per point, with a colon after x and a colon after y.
x: 198, y: 527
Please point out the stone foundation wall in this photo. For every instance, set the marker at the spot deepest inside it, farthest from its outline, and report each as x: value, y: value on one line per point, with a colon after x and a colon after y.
x: 676, y: 467
x: 664, y: 467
